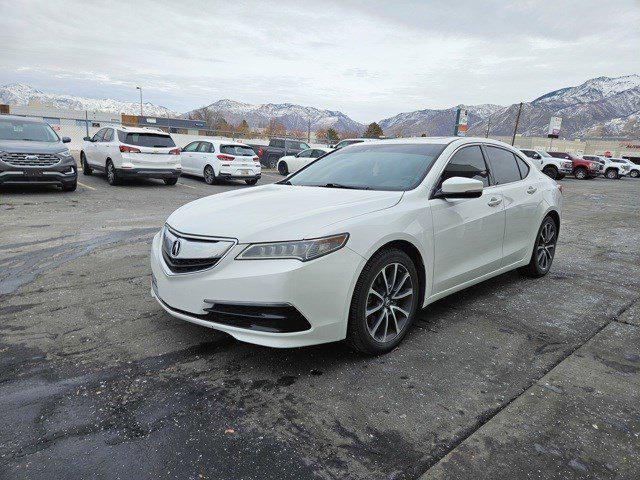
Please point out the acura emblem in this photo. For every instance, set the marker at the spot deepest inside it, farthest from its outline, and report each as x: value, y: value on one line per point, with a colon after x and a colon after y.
x: 175, y: 248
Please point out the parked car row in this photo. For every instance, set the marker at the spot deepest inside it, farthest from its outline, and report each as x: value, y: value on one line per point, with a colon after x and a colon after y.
x: 559, y: 164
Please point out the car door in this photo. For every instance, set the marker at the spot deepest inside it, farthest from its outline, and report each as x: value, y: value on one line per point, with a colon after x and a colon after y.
x: 203, y: 156
x: 187, y: 159
x: 521, y: 196
x: 468, y: 232
x: 92, y: 152
x: 107, y: 147
x: 300, y: 160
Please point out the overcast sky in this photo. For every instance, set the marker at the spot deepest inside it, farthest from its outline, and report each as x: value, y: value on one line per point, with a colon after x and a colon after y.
x: 368, y: 59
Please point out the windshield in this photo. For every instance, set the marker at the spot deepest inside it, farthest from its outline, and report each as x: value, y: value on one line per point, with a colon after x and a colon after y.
x: 154, y: 140
x: 239, y: 150
x: 27, y: 131
x: 371, y: 167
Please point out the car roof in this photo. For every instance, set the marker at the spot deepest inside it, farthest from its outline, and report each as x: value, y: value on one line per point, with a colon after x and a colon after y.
x: 127, y: 129
x: 218, y: 142
x: 22, y: 119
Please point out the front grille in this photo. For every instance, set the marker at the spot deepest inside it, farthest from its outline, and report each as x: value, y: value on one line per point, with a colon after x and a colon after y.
x: 185, y: 254
x: 30, y: 159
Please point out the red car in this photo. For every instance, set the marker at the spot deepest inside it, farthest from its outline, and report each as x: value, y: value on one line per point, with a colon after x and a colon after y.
x: 582, y: 169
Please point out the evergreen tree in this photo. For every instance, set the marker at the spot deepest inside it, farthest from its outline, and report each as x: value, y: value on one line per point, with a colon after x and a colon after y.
x: 373, y: 131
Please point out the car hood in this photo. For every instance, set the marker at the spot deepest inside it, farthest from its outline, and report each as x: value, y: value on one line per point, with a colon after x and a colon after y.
x: 20, y: 146
x: 276, y: 212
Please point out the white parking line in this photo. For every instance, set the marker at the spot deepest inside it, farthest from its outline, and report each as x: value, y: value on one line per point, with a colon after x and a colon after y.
x: 86, y: 186
x: 188, y: 186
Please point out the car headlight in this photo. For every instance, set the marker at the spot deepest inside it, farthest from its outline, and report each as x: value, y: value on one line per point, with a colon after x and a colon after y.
x: 65, y: 153
x: 303, y: 250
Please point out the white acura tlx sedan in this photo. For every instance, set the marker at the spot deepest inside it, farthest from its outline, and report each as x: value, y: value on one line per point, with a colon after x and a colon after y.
x: 355, y: 243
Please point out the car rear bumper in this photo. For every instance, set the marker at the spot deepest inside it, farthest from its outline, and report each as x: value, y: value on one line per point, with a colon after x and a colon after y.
x: 229, y: 176
x: 277, y: 303
x: 148, y: 173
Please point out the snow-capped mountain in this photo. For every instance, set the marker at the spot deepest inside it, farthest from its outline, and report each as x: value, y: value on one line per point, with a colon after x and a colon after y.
x: 293, y: 117
x: 600, y: 107
x: 433, y: 122
x: 23, y: 95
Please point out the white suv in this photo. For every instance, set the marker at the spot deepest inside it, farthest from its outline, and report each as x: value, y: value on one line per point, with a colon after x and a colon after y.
x: 613, y: 168
x: 216, y: 160
x: 553, y: 167
x: 123, y: 152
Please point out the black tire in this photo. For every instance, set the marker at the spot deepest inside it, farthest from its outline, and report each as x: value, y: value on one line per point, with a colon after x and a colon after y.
x: 170, y: 181
x: 634, y: 173
x: 112, y: 174
x: 535, y: 268
x: 70, y: 187
x: 560, y: 176
x: 209, y: 175
x: 359, y: 335
x: 283, y: 168
x: 612, y: 174
x: 251, y: 181
x: 551, y: 171
x: 581, y: 173
x: 86, y: 169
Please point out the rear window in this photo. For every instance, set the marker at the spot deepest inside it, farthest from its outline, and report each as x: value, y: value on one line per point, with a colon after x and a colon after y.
x: 240, y: 150
x: 156, y: 140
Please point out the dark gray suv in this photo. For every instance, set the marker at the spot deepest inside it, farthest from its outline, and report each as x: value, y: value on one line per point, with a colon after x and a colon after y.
x: 32, y: 153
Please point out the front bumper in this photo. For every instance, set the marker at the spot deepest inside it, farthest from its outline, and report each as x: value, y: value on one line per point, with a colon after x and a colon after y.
x: 64, y: 172
x: 148, y: 173
x: 312, y: 298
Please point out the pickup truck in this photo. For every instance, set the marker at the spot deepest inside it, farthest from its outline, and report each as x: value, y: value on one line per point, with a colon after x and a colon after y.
x: 553, y: 167
x: 613, y: 168
x: 582, y: 168
x: 278, y: 148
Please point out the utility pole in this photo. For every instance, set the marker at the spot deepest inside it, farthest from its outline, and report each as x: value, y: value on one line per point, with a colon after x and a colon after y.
x: 309, y: 130
x: 515, y: 128
x: 486, y: 135
x: 139, y: 88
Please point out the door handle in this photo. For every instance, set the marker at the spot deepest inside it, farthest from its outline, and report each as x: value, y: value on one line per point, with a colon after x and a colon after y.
x: 531, y: 190
x: 494, y: 201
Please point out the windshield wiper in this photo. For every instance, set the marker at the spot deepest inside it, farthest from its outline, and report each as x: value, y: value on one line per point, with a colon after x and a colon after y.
x: 340, y: 185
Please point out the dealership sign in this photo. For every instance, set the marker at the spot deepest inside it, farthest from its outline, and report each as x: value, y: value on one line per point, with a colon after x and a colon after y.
x: 554, y: 127
x: 461, y: 122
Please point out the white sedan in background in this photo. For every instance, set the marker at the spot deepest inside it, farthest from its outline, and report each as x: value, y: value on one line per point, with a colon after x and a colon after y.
x: 216, y: 160
x: 293, y: 163
x: 353, y: 245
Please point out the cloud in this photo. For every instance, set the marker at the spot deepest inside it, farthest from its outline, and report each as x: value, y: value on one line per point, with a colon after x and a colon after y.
x: 367, y: 59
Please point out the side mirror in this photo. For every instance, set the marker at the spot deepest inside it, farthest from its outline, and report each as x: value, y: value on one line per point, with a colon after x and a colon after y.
x: 460, y: 187
x: 332, y: 146
x: 537, y: 156
x: 87, y: 139
x: 66, y: 139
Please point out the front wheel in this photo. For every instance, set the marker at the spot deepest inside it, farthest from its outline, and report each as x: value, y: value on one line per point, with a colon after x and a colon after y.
x: 611, y: 174
x: 282, y: 168
x: 251, y: 181
x: 86, y: 169
x: 581, y: 173
x: 384, y: 303
x: 170, y: 181
x: 112, y: 175
x: 634, y: 173
x: 550, y: 171
x: 544, y: 249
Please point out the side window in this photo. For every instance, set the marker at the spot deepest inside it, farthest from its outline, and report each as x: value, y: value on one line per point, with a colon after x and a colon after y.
x: 305, y: 153
x: 192, y: 147
x: 503, y: 165
x: 108, y: 135
x: 317, y: 153
x: 278, y: 143
x: 205, y: 147
x: 524, y: 168
x: 98, y: 136
x: 469, y: 163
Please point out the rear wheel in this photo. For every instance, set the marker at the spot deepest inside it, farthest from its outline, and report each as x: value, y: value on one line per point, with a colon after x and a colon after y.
x: 611, y: 174
x: 170, y: 181
x: 581, y: 173
x: 384, y: 303
x: 86, y: 169
x: 112, y: 175
x: 283, y: 169
x: 551, y: 171
x: 634, y: 173
x: 251, y: 181
x: 209, y: 175
x: 544, y: 249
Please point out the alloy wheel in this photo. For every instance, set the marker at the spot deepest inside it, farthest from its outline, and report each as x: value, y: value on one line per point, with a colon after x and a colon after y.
x: 581, y: 174
x: 111, y: 173
x: 546, y: 247
x: 209, y: 175
x: 389, y: 303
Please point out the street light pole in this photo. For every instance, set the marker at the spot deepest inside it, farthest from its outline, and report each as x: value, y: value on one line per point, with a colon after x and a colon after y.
x: 515, y: 127
x: 139, y: 88
x: 488, y: 126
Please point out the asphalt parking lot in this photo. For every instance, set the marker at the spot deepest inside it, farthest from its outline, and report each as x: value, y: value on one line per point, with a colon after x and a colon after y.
x: 513, y: 378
